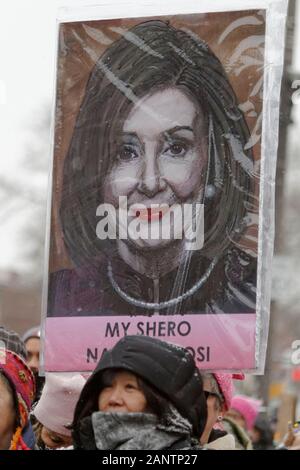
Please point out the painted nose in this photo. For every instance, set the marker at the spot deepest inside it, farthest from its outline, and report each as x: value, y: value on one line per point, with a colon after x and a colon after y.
x: 151, y: 182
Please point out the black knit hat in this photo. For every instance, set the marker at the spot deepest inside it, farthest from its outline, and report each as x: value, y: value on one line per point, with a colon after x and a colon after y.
x: 12, y: 342
x: 167, y: 367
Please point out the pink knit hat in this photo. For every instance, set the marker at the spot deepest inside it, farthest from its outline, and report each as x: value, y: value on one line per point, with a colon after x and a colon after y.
x: 225, y: 383
x: 226, y: 386
x: 247, y: 407
x: 56, y: 406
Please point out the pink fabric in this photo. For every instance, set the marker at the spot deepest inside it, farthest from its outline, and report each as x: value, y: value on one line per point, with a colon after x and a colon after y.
x: 21, y: 378
x: 226, y: 386
x: 56, y: 406
x: 247, y: 407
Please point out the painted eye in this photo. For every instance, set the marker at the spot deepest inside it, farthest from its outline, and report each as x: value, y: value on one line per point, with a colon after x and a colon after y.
x: 176, y: 149
x: 127, y: 153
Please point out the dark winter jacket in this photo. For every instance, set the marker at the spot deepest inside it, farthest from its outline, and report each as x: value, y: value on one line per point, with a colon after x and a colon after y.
x: 87, y: 291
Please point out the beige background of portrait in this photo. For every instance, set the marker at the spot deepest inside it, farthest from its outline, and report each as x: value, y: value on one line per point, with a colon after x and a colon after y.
x: 81, y: 43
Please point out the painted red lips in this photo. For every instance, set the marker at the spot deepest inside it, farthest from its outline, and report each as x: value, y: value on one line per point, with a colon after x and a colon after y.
x: 151, y: 213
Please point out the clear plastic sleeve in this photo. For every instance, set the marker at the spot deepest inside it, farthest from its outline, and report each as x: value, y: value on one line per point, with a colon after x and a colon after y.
x: 161, y: 208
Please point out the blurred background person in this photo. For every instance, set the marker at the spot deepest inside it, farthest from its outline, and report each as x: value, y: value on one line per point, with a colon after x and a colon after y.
x: 221, y: 433
x: 17, y: 390
x: 240, y: 419
x: 11, y: 341
x: 261, y: 434
x: 32, y: 341
x: 218, y: 390
x: 244, y: 411
x: 55, y: 409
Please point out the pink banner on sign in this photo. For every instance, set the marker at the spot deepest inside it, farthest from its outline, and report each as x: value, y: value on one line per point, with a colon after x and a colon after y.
x: 223, y: 341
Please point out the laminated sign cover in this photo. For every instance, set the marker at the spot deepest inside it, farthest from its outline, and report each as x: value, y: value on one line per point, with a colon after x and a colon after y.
x: 157, y: 187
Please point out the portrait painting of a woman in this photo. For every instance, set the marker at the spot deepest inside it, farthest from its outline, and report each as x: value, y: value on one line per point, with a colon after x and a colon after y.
x: 159, y: 130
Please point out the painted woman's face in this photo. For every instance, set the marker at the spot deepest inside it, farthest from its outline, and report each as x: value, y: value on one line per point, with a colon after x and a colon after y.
x: 161, y: 160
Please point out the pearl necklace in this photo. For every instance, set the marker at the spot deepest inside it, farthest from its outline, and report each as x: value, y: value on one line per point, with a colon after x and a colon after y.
x: 160, y: 305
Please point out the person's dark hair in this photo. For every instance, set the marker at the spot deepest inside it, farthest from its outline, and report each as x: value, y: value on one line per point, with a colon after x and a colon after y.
x: 154, y: 56
x: 263, y: 426
x: 157, y: 404
x: 37, y: 428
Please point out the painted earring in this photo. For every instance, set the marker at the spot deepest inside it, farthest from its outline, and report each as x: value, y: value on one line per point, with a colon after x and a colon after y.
x: 210, y: 191
x: 220, y: 418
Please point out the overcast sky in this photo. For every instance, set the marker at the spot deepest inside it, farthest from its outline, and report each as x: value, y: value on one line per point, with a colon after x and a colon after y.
x: 27, y: 45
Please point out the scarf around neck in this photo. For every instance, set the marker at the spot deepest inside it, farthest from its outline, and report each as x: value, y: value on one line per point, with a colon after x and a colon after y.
x: 139, y: 431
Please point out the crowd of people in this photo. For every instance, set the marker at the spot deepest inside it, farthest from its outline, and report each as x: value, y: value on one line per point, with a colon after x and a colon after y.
x: 144, y: 394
